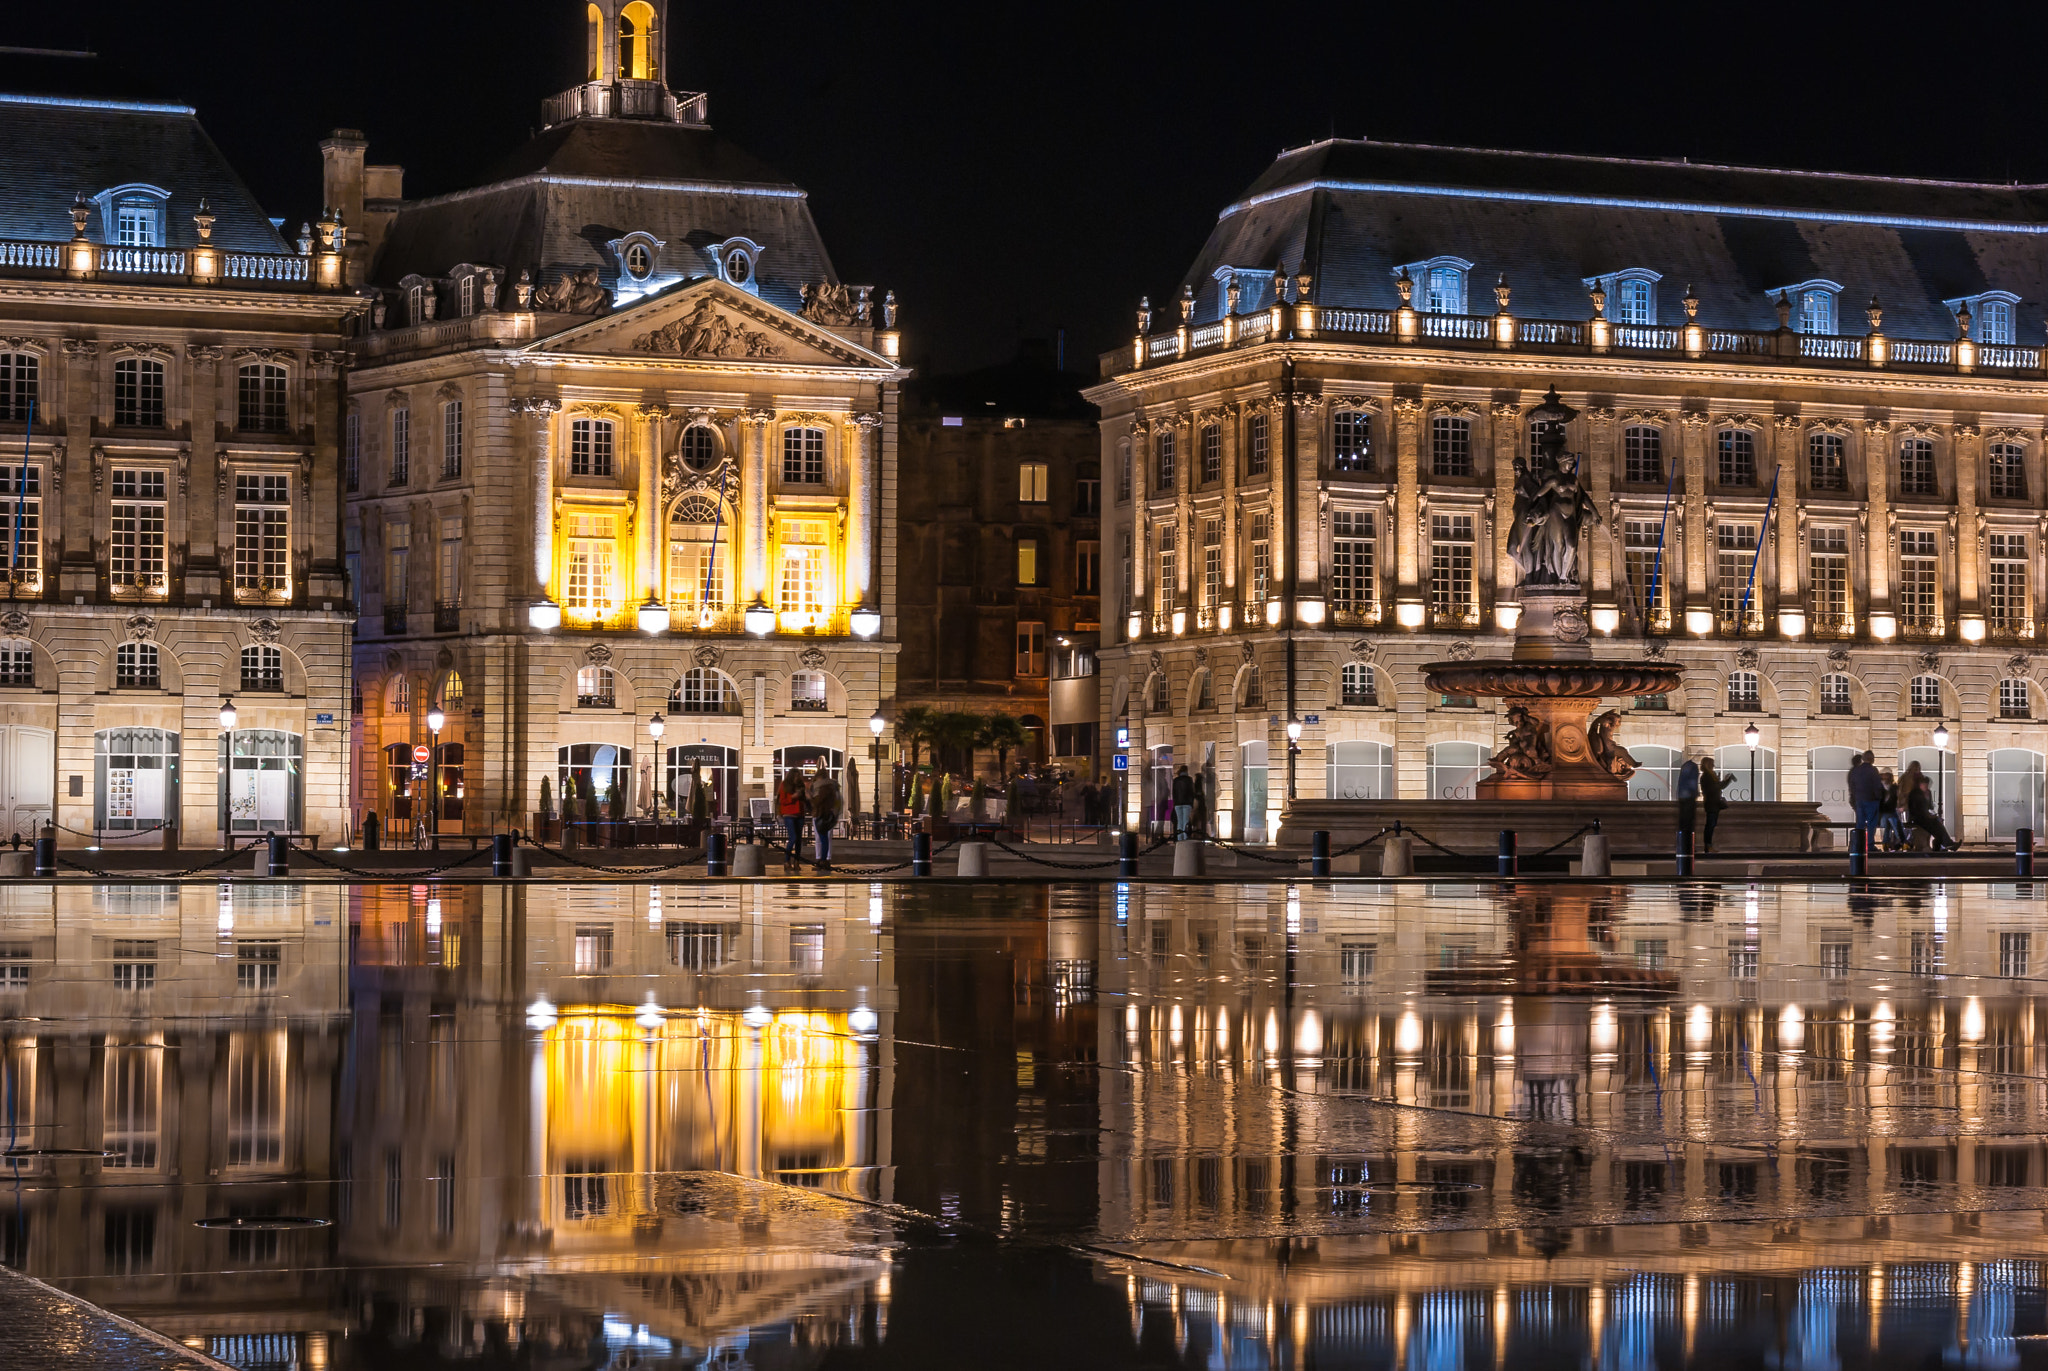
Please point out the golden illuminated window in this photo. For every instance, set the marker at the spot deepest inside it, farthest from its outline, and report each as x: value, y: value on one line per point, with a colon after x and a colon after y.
x: 698, y: 563
x: 591, y: 571
x: 638, y: 60
x: 596, y: 44
x: 803, y: 565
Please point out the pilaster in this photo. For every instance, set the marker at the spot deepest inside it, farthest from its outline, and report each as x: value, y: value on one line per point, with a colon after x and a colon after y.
x: 1408, y: 553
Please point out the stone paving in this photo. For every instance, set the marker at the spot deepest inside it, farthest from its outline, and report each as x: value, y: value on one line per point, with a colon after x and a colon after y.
x: 48, y: 1328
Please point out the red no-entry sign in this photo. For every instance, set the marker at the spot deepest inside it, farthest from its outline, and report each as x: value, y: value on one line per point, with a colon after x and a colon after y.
x: 420, y: 753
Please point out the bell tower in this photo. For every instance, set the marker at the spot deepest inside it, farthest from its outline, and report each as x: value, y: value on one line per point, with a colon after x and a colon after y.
x: 625, y: 40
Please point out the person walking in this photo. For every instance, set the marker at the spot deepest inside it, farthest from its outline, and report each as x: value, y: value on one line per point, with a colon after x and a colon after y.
x: 1688, y: 796
x: 1918, y: 798
x: 1713, y: 790
x: 1088, y: 804
x: 825, y: 804
x: 789, y: 803
x: 1866, y: 793
x: 1888, y: 813
x: 1183, y: 802
x: 1198, y: 823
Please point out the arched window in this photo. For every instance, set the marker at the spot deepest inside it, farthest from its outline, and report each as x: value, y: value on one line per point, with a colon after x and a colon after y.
x: 1256, y: 454
x: 807, y: 691
x: 138, y: 778
x: 1738, y: 457
x: 702, y: 690
x: 136, y: 667
x: 1361, y: 771
x: 1825, y: 467
x: 1455, y: 770
x: 2015, y: 701
x: 1450, y: 446
x: 451, y: 692
x: 1734, y: 762
x: 1350, y: 441
x: 1656, y: 774
x: 1994, y: 321
x: 1643, y: 453
x: 401, y: 695
x: 1160, y: 701
x: 1443, y: 290
x: 1916, y: 466
x: 2017, y: 784
x: 260, y: 398
x: 1745, y: 692
x: 138, y: 393
x: 596, y: 63
x: 698, y: 447
x: 2008, y: 469
x: 698, y: 571
x: 1635, y: 301
x: 803, y: 457
x: 1815, y: 310
x: 1253, y: 696
x: 1212, y: 454
x: 1204, y: 690
x: 1835, y: 695
x: 1361, y: 687
x: 590, y: 447
x: 1827, y: 782
x: 262, y: 668
x: 1923, y: 697
x: 17, y: 662
x: 639, y: 50
x: 596, y: 688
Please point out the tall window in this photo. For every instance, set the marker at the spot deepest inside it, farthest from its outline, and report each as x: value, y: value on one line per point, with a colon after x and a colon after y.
x: 135, y: 547
x: 450, y: 594
x: 1088, y: 492
x: 451, y: 439
x: 1353, y: 586
x: 1924, y: 697
x: 1919, y: 580
x: 803, y: 457
x: 1642, y: 448
x: 1450, y: 569
x: 1031, y: 483
x: 1087, y: 567
x: 1262, y: 557
x: 1734, y: 555
x: 1212, y: 454
x: 1359, y: 685
x: 139, y: 393
x: 803, y: 565
x: 136, y: 667
x: 401, y: 446
x: 1745, y: 692
x: 135, y: 223
x: 263, y: 525
x: 21, y: 524
x: 1994, y: 321
x: 352, y: 452
x: 1255, y: 445
x: 1351, y: 441
x: 1027, y: 561
x: 1169, y: 565
x: 397, y: 567
x: 1916, y: 466
x: 597, y: 687
x: 699, y: 447
x: 17, y: 662
x: 701, y: 690
x: 465, y: 295
x: 1635, y: 301
x: 1827, y: 578
x: 1030, y: 648
x: 697, y: 569
x: 1738, y: 457
x: 1129, y: 572
x: 592, y: 582
x: 1450, y: 446
x: 1212, y: 563
x: 1639, y: 538
x: 260, y: 397
x: 262, y: 668
x: 1443, y: 291
x: 18, y: 374
x: 590, y: 447
x: 1825, y: 468
x: 2006, y: 598
x: 1123, y: 471
x: 1816, y: 311
x: 1835, y: 697
x: 2014, y: 700
x: 1166, y: 461
x: 2008, y: 471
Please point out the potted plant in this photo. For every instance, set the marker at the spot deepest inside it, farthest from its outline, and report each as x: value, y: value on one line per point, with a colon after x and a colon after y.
x: 700, y: 812
x: 977, y: 801
x: 544, y: 821
x: 615, y: 810
x: 589, y: 788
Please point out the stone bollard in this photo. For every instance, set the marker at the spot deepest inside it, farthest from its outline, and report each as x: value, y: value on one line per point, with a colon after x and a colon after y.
x: 1397, y: 857
x: 748, y: 859
x: 973, y: 860
x: 1189, y: 858
x: 522, y: 863
x: 17, y: 863
x: 1593, y: 861
x: 260, y: 868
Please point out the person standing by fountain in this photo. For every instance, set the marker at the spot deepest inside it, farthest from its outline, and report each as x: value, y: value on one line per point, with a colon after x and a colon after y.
x: 1714, y: 790
x: 1688, y: 796
x: 1183, y: 802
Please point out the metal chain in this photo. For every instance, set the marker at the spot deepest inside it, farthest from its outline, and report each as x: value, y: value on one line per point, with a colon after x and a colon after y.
x: 1074, y: 866
x: 1593, y: 827
x: 687, y: 859
x: 1258, y: 856
x: 230, y: 855
x: 373, y: 874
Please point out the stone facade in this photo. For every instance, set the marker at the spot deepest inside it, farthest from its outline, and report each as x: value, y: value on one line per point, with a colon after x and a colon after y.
x: 170, y: 384
x: 1841, y: 527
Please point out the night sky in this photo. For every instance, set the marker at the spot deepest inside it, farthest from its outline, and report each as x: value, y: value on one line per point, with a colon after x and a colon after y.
x: 1015, y: 170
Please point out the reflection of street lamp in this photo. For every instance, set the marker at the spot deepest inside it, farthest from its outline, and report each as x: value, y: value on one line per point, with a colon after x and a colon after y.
x: 435, y: 719
x: 1940, y: 768
x: 655, y: 727
x: 875, y: 725
x: 1750, y: 735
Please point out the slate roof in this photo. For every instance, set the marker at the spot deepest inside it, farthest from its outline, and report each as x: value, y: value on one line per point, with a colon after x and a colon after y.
x: 552, y: 205
x: 1359, y: 210
x: 55, y: 148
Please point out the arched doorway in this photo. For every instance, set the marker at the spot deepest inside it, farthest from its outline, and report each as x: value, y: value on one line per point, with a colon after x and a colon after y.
x: 1455, y: 770
x: 1735, y: 763
x: 593, y: 770
x: 1827, y: 782
x: 1656, y: 773
x: 1360, y: 771
x: 137, y: 784
x: 262, y: 781
x: 686, y: 768
x: 400, y: 786
x: 809, y: 759
x: 2016, y: 790
x: 448, y: 760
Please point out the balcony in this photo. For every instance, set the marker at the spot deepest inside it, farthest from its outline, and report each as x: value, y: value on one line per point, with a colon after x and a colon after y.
x: 170, y: 266
x: 626, y: 100
x: 394, y: 619
x: 447, y: 616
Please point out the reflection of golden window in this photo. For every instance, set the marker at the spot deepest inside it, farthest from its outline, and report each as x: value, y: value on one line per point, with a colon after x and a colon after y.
x: 132, y: 1103
x: 591, y: 572
x: 256, y: 1064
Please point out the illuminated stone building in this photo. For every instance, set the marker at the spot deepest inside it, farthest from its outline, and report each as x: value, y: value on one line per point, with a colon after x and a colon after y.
x: 1810, y: 406
x: 170, y: 393
x: 619, y: 443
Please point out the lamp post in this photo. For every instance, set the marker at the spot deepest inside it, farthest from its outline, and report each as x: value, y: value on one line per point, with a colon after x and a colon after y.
x: 435, y: 720
x: 656, y: 726
x: 227, y: 715
x: 1750, y: 736
x: 1293, y: 748
x: 875, y: 726
x: 1941, y: 770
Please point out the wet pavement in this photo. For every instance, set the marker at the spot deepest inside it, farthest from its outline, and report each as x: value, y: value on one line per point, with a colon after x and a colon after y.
x: 1352, y: 1124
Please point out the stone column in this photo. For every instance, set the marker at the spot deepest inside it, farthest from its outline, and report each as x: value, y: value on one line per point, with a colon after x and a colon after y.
x: 1232, y: 418
x: 1876, y: 516
x: 651, y: 514
x: 1506, y: 427
x: 1308, y: 447
x: 754, y: 505
x: 1600, y: 460
x: 542, y: 412
x: 203, y: 579
x: 864, y: 510
x: 1779, y: 573
x: 1408, y: 553
x: 1693, y: 451
x: 1967, y: 453
x: 1186, y: 543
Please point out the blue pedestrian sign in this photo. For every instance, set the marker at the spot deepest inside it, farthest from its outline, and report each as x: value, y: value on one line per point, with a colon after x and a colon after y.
x: 1120, y: 762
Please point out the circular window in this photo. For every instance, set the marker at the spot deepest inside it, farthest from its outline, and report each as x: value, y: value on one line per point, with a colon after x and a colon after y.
x: 700, y: 449
x: 639, y: 261
x: 738, y: 266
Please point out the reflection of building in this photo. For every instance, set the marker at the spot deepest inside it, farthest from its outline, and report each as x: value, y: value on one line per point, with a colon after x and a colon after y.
x: 596, y: 475
x: 1312, y: 464
x: 169, y: 378
x: 1000, y: 554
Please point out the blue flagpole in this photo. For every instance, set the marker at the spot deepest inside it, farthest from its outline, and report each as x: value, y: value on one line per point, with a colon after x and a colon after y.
x: 1763, y: 528
x: 1657, y: 565
x: 20, y: 485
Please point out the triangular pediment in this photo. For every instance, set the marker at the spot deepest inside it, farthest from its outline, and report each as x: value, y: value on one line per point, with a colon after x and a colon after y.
x: 711, y: 322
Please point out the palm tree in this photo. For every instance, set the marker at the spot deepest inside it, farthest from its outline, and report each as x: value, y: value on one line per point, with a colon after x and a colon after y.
x: 914, y: 729
x: 956, y: 731
x: 1003, y: 732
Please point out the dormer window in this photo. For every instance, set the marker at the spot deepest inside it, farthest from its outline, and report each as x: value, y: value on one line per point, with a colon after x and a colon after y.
x: 1813, y: 305
x: 639, y: 261
x: 132, y: 216
x: 1631, y: 294
x: 738, y: 260
x: 1991, y: 315
x: 1439, y: 284
x: 738, y: 266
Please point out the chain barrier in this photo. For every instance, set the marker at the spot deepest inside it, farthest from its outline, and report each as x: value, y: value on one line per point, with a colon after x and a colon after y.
x: 1593, y: 827
x: 1074, y: 866
x: 230, y: 855
x: 686, y: 859
x: 833, y: 869
x: 1259, y: 856
x: 372, y: 873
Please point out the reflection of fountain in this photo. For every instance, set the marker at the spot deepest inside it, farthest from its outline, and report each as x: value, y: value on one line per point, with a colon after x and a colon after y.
x: 1556, y: 951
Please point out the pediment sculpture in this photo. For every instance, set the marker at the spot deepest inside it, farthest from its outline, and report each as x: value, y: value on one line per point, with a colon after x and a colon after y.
x: 830, y: 305
x: 705, y: 332
x: 576, y: 292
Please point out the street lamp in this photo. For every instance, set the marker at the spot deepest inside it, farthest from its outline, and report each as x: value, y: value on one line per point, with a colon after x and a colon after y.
x: 227, y: 715
x: 1750, y: 736
x: 656, y: 726
x: 865, y: 621
x: 875, y: 726
x: 435, y: 720
x: 1940, y: 768
x: 544, y: 614
x: 759, y: 618
x: 653, y: 615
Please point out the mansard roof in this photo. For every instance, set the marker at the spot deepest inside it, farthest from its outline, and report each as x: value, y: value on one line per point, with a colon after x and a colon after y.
x: 55, y: 148
x: 552, y: 206
x: 1357, y: 211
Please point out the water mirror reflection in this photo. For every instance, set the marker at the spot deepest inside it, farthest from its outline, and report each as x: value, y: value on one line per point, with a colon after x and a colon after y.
x: 1350, y: 1124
